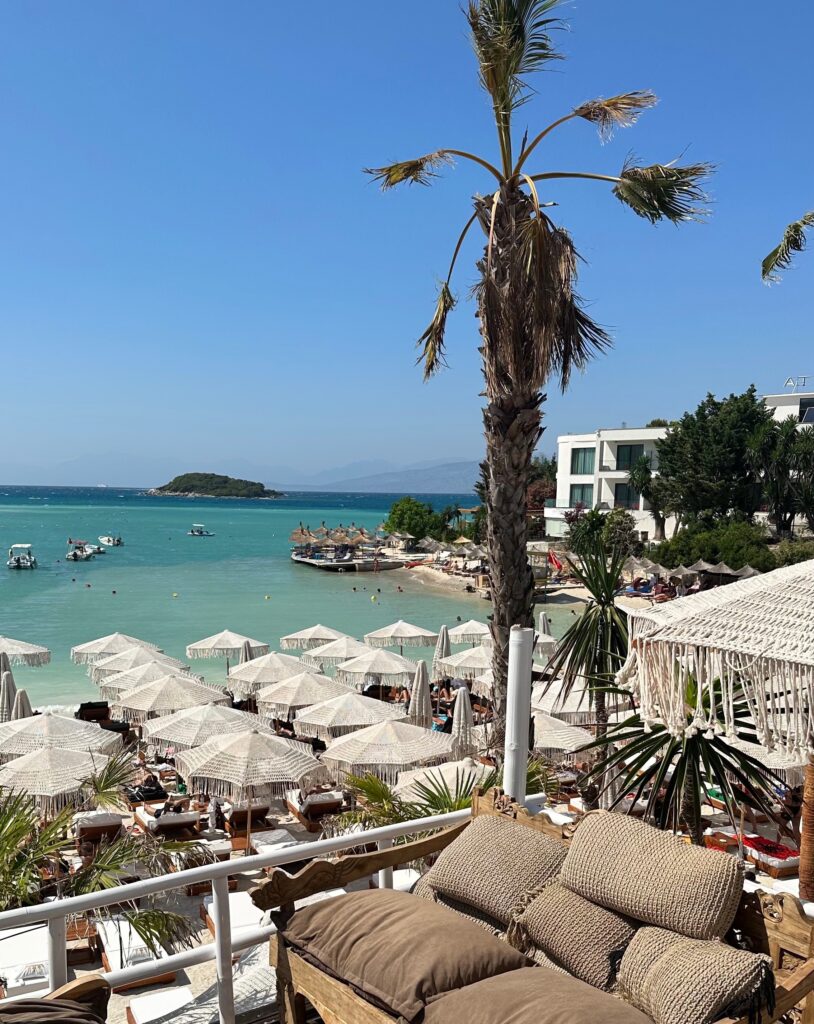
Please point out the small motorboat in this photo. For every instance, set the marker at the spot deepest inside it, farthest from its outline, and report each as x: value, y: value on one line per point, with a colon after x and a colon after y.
x: 80, y: 552
x: 199, y: 530
x: 20, y: 556
x: 111, y: 542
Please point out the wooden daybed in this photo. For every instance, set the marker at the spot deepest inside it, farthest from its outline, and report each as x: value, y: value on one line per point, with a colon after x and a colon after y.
x: 774, y: 924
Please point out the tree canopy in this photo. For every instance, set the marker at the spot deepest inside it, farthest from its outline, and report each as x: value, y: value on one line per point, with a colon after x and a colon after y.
x: 418, y: 518
x: 214, y: 485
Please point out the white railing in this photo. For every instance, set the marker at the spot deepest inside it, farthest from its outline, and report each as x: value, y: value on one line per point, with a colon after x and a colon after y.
x: 56, y: 912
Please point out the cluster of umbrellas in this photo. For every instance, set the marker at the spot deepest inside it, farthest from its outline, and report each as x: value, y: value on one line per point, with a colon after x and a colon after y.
x: 341, y: 536
x: 643, y: 566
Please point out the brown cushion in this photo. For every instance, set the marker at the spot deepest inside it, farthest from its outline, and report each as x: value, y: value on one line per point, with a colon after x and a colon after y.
x: 494, y: 863
x: 585, y: 939
x: 47, y: 1011
x: 676, y: 980
x: 653, y: 876
x: 534, y: 995
x: 398, y: 950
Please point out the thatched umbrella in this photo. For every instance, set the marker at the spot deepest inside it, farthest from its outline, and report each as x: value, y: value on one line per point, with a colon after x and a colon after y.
x: 442, y: 650
x: 376, y: 666
x: 463, y: 737
x: 455, y: 775
x: 18, y: 652
x: 133, y: 657
x: 193, y: 726
x: 747, y: 572
x: 52, y: 776
x: 420, y: 712
x: 8, y: 691
x: 386, y: 749
x: 341, y: 715
x: 246, y: 680
x: 226, y: 644
x: 468, y: 664
x: 22, y: 706
x: 335, y: 652
x: 281, y: 700
x: 469, y: 632
x: 51, y: 730
x: 401, y: 634
x: 110, y: 686
x: 105, y: 646
x: 164, y: 696
x: 701, y: 566
x: 310, y: 637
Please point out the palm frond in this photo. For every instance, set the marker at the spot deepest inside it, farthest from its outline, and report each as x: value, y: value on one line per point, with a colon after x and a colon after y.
x: 431, y: 341
x: 665, y: 191
x: 420, y: 171
x: 581, y: 339
x: 105, y: 786
x: 616, y: 111
x: 792, y: 242
x: 161, y: 928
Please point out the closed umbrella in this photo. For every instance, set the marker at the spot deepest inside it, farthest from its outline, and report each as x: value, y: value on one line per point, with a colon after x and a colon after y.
x: 246, y: 652
x: 133, y: 657
x: 245, y: 680
x: 442, y: 650
x: 225, y: 644
x: 401, y: 634
x: 544, y: 628
x: 470, y: 632
x: 420, y: 712
x: 163, y: 696
x: 458, y: 776
x: 191, y: 727
x: 110, y: 686
x: 105, y: 646
x: 18, y: 652
x: 22, y: 706
x: 281, y: 700
x: 347, y: 713
x: 52, y: 776
x: 463, y: 738
x: 376, y: 666
x: 51, y: 730
x: 8, y: 691
x: 310, y: 637
x: 386, y: 749
x: 335, y: 652
x: 468, y: 664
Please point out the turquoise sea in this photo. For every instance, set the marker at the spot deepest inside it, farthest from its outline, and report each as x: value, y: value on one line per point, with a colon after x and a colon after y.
x: 172, y: 589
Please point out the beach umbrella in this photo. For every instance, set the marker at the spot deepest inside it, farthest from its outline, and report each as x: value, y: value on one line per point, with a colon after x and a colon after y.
x: 552, y: 734
x: 747, y: 572
x: 457, y: 776
x: 681, y: 571
x: 544, y: 628
x: 468, y: 664
x: 376, y: 666
x: 442, y: 650
x: 401, y: 634
x: 8, y: 691
x: 462, y: 541
x: 163, y: 696
x: 225, y: 644
x: 110, y: 686
x: 575, y: 709
x: 335, y: 652
x: 39, y: 732
x: 52, y: 776
x: 245, y: 653
x: 134, y: 657
x: 470, y: 632
x: 722, y: 569
x: 463, y: 738
x: 484, y: 685
x: 347, y: 713
x: 191, y: 727
x: 5, y: 664
x: 246, y: 680
x: 311, y: 636
x: 281, y: 700
x: 420, y: 712
x: 18, y: 652
x: 386, y: 749
x: 105, y: 646
x: 300, y: 535
x: 22, y: 706
x: 701, y: 566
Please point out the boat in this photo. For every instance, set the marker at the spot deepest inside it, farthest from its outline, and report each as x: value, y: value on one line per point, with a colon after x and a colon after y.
x: 92, y: 549
x: 20, y: 556
x: 199, y: 530
x: 111, y: 542
x: 80, y: 551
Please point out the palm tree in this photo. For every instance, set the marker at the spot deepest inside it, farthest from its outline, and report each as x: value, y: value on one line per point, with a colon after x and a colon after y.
x: 792, y: 242
x: 771, y: 454
x: 533, y: 326
x: 653, y: 490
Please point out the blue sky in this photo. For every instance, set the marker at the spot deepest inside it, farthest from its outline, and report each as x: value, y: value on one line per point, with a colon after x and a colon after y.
x: 193, y: 267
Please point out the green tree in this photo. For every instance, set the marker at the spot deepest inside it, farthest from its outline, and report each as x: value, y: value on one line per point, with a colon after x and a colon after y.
x: 619, y: 531
x: 533, y: 328
x: 585, y: 528
x: 654, y: 489
x: 803, y: 478
x: 772, y: 456
x: 703, y: 458
x: 408, y: 515
x: 657, y: 422
x: 792, y: 242
x: 790, y: 552
x: 737, y: 543
x: 543, y: 467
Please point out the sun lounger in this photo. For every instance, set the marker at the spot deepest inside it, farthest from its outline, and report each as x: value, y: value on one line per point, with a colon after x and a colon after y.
x: 310, y: 809
x: 245, y: 915
x: 166, y: 1005
x: 169, y: 821
x: 24, y: 960
x: 123, y: 947
x: 94, y: 826
x: 237, y: 815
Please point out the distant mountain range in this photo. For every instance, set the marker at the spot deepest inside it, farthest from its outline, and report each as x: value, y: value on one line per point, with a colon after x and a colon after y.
x: 448, y: 478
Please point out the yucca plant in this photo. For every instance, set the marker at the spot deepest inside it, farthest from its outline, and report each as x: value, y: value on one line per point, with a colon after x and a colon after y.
x: 793, y: 242
x: 533, y: 326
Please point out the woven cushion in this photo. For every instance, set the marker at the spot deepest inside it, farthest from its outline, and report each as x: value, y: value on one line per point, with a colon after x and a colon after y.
x: 534, y: 995
x: 675, y: 980
x: 586, y: 940
x: 652, y: 876
x: 494, y: 863
x: 399, y: 951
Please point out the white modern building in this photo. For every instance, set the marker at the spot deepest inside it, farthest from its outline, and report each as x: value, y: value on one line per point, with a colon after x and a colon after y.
x: 593, y: 469
x: 799, y: 404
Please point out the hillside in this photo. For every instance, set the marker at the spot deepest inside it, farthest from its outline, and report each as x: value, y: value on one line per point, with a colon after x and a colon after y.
x: 214, y: 485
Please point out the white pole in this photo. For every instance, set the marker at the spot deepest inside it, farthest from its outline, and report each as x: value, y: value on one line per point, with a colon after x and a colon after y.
x: 385, y: 874
x: 518, y: 713
x: 223, y: 949
x: 57, y: 953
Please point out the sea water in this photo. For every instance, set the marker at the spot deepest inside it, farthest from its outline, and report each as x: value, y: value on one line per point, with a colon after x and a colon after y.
x: 172, y: 589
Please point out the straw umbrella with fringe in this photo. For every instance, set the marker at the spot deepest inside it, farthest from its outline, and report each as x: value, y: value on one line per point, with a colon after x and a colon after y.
x: 401, y: 634
x: 281, y: 700
x: 8, y: 691
x: 463, y: 738
x: 335, y: 652
x: 310, y: 637
x: 443, y: 650
x: 378, y: 667
x: 53, y: 777
x: 420, y: 712
x: 345, y: 714
x: 386, y: 749
x: 245, y: 680
x: 468, y: 664
x: 105, y: 646
x: 47, y: 730
x: 457, y: 776
x: 110, y: 686
x: 133, y: 657
x: 484, y: 685
x: 553, y: 737
x: 22, y: 707
x: 469, y: 632
x: 164, y: 696
x: 226, y: 644
x: 191, y: 727
x: 18, y: 652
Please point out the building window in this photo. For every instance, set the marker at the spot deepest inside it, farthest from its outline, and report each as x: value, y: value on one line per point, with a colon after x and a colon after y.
x: 807, y: 410
x: 582, y: 494
x: 627, y: 455
x: 625, y: 497
x: 582, y: 461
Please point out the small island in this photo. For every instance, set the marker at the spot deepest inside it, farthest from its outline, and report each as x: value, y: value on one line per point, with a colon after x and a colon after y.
x: 214, y: 485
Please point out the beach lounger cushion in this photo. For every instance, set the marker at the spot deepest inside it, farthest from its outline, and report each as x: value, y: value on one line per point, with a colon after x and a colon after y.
x: 676, y: 980
x: 652, y: 876
x: 533, y: 995
x: 397, y: 951
x: 47, y: 1011
x: 96, y: 819
x: 493, y: 864
x: 585, y: 939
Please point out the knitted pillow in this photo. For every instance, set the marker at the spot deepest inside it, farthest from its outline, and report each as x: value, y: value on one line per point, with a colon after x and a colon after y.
x: 675, y: 980
x: 587, y: 940
x: 653, y: 876
x: 493, y: 863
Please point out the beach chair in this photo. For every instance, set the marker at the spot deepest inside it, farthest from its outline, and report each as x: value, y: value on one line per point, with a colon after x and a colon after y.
x: 237, y: 815
x: 94, y: 826
x: 123, y: 947
x: 24, y: 961
x: 310, y: 809
x: 168, y: 823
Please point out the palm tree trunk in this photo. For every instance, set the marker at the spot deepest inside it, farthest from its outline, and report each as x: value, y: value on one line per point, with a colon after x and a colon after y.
x: 807, y: 836
x: 660, y: 522
x: 691, y: 810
